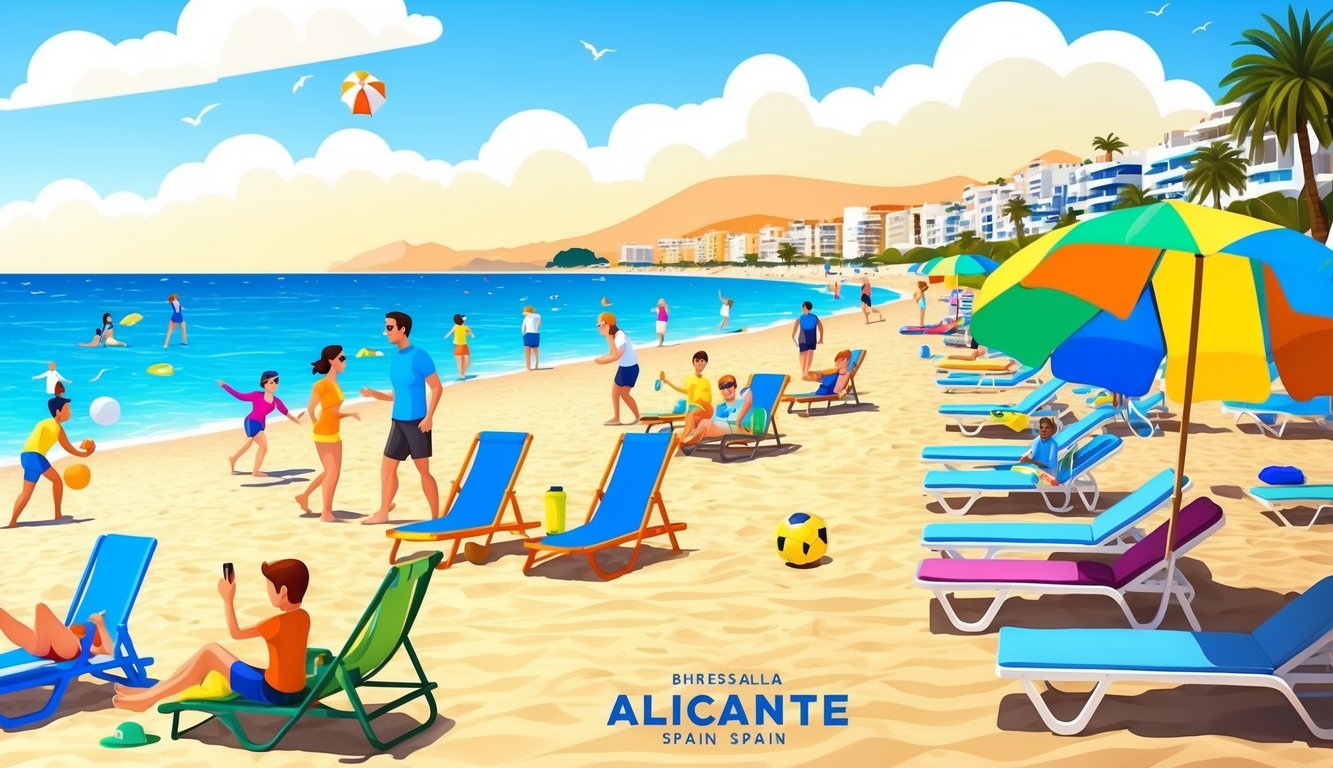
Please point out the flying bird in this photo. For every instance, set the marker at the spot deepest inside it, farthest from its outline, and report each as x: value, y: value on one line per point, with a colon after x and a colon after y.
x: 596, y: 54
x: 300, y: 83
x: 1159, y: 11
x: 1202, y: 28
x: 194, y: 121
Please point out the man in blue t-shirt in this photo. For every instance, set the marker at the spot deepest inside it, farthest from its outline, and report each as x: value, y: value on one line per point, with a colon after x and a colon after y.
x: 411, y: 371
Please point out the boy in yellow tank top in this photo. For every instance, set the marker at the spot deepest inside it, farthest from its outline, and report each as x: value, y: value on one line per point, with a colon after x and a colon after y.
x: 44, y: 436
x: 698, y: 392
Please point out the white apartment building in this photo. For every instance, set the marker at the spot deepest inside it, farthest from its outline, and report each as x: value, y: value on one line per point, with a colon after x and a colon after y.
x: 801, y: 235
x: 741, y: 244
x: 983, y: 211
x: 828, y: 239
x: 862, y: 232
x: 769, y: 240
x: 635, y: 255
x: 672, y: 250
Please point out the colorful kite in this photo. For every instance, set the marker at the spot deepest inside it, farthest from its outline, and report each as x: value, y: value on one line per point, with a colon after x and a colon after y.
x: 363, y: 93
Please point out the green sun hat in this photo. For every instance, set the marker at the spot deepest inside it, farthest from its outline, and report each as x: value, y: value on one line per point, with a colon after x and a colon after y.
x: 129, y: 735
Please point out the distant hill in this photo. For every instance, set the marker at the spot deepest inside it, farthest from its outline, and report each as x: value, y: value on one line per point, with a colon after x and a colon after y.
x: 726, y: 203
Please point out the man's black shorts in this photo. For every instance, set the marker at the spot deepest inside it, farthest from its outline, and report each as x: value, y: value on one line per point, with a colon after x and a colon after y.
x: 406, y: 439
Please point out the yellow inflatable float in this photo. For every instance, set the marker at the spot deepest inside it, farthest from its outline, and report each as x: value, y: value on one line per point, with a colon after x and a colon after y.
x: 367, y: 352
x: 131, y: 319
x: 161, y: 369
x: 982, y: 364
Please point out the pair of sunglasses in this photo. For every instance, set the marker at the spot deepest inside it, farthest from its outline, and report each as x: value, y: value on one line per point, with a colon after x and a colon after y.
x: 390, y: 327
x: 342, y: 358
x: 728, y: 385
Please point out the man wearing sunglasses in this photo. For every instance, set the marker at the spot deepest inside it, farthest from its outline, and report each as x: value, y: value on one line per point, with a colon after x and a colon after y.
x: 411, y: 370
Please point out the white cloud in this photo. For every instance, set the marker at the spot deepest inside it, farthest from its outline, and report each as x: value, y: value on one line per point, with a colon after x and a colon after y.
x: 216, y: 39
x: 919, y: 126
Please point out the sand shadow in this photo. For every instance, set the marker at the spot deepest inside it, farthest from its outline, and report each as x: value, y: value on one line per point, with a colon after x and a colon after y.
x: 825, y: 560
x: 837, y: 409
x: 1219, y: 607
x: 1195, y: 429
x: 1013, y: 504
x: 340, y: 515
x: 712, y: 452
x: 81, y: 696
x: 1253, y: 714
x: 327, y: 736
x: 1295, y: 430
x: 496, y: 551
x: 279, y: 477
x: 576, y: 568
x: 64, y: 520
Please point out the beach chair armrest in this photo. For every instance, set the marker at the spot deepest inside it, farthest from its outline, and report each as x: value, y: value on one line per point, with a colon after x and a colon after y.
x: 314, y: 657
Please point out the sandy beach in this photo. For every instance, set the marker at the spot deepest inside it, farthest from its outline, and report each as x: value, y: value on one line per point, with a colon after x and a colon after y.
x: 530, y: 665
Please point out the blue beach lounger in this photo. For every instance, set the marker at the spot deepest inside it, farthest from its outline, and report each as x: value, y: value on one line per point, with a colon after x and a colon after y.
x: 1275, y: 498
x: 974, y: 483
x: 478, y: 497
x: 965, y: 382
x: 973, y: 417
x: 1288, y: 650
x: 110, y: 583
x: 1112, y: 531
x: 621, y: 508
x: 810, y: 399
x: 1009, y: 452
x: 1139, y: 569
x: 1273, y: 414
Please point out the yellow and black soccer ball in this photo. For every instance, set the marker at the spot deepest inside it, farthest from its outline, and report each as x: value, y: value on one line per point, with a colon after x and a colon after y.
x: 802, y: 538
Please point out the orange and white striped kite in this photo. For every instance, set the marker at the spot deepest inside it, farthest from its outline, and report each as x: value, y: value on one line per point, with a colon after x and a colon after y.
x: 363, y: 93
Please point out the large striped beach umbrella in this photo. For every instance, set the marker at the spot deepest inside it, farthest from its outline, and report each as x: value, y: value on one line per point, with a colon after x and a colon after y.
x: 1217, y: 294
x: 363, y: 93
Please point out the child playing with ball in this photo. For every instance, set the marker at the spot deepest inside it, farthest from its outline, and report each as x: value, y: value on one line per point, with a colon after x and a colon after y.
x: 44, y: 436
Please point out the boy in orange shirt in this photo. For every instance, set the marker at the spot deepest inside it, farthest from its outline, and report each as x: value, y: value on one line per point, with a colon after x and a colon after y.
x: 282, y: 683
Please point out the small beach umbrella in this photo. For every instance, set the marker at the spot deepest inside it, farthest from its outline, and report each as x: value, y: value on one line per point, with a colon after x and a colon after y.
x: 1219, y: 295
x: 363, y: 93
x: 920, y: 267
x: 962, y: 265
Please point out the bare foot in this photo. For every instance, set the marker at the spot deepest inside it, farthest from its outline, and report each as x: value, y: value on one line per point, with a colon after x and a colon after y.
x: 376, y: 519
x: 60, y: 517
x: 231, y: 464
x: 304, y: 503
x: 257, y: 473
x: 127, y: 690
x: 134, y: 704
x: 612, y: 422
x: 327, y: 518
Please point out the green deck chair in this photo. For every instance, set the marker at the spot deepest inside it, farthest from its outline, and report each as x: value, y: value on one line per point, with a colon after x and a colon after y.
x: 382, y: 630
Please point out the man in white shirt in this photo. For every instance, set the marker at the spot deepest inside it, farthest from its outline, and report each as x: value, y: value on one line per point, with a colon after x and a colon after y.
x: 53, y: 379
x: 532, y: 326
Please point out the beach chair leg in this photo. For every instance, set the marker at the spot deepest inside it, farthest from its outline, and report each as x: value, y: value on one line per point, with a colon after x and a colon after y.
x: 1065, y: 505
x: 1089, y: 504
x: 47, y: 710
x: 1321, y: 510
x: 939, y: 497
x: 980, y: 624
x: 453, y: 552
x: 976, y: 430
x: 1080, y: 721
x: 419, y: 688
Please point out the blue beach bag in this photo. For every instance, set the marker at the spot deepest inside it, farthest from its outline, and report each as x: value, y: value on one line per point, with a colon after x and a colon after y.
x: 1282, y: 476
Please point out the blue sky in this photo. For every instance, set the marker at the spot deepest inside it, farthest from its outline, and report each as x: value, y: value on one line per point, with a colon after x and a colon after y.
x: 498, y: 58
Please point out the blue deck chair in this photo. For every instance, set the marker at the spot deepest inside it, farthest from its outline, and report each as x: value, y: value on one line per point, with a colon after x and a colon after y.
x: 110, y: 583
x: 622, y: 507
x: 1076, y: 479
x: 478, y: 498
x: 974, y: 417
x: 1113, y: 531
x: 1273, y: 414
x: 979, y: 453
x: 766, y: 390
x: 1289, y: 650
x: 811, y: 399
x: 966, y: 382
x: 1276, y: 498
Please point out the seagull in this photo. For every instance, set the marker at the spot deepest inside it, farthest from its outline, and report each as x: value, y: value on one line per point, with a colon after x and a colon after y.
x: 1159, y: 11
x: 300, y: 83
x: 596, y: 54
x: 194, y: 121
x: 1202, y: 28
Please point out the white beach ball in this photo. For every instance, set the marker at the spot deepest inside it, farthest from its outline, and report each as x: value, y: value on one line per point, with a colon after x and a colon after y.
x: 104, y: 411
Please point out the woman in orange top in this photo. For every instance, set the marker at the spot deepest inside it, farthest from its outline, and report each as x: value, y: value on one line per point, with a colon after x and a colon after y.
x: 282, y: 683
x: 326, y: 399
x: 49, y: 638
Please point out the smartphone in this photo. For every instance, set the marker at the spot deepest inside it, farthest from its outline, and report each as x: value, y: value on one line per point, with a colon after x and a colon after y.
x: 228, y: 572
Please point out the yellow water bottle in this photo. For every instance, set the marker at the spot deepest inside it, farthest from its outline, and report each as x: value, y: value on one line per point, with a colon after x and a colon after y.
x: 555, y: 510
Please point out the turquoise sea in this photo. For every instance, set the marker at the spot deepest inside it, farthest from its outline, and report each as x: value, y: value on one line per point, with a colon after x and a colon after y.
x: 241, y: 325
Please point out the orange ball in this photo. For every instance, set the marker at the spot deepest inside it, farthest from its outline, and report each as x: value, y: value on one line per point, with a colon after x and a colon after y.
x: 77, y: 476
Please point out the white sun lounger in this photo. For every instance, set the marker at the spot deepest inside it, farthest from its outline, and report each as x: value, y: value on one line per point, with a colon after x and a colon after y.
x: 1275, y: 498
x: 1273, y: 414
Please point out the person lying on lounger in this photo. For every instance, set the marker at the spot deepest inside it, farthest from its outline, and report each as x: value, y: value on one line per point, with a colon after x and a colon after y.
x: 973, y: 352
x: 1043, y: 454
x: 728, y: 415
x: 828, y: 383
x: 49, y: 638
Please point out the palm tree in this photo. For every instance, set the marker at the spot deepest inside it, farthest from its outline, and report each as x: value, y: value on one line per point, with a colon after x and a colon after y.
x: 1286, y: 88
x: 1068, y: 218
x: 787, y: 253
x: 1133, y: 196
x: 1214, y: 171
x: 1110, y: 144
x: 1017, y: 210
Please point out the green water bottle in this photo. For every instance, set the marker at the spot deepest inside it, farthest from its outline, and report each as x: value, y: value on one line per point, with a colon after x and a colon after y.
x: 555, y: 510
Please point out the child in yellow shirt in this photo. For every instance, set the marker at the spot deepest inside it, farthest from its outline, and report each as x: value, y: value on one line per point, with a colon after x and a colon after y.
x: 698, y: 392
